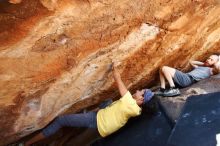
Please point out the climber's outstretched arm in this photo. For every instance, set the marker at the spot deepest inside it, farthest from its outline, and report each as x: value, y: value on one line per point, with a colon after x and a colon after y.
x: 121, y: 86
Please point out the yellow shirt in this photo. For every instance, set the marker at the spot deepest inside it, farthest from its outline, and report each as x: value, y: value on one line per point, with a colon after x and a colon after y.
x: 115, y: 116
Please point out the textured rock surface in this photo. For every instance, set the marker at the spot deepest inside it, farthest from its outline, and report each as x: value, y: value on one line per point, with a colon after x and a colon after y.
x: 173, y: 106
x: 55, y: 55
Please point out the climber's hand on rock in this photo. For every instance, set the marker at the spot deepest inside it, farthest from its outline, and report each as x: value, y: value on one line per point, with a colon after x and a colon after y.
x: 115, y: 64
x: 116, y: 73
x: 121, y: 86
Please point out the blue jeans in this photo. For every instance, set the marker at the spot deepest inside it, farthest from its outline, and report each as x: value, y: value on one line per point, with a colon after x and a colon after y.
x: 86, y: 120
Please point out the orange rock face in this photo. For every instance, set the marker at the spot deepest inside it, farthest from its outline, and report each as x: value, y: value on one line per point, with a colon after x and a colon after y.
x: 55, y: 55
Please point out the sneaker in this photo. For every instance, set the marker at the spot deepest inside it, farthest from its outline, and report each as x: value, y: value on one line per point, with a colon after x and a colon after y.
x: 171, y: 92
x: 159, y: 92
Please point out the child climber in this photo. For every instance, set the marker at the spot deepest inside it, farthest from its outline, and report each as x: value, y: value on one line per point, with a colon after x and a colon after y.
x: 107, y: 120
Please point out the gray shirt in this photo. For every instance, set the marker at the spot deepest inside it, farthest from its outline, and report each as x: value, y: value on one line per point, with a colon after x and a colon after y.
x: 200, y: 73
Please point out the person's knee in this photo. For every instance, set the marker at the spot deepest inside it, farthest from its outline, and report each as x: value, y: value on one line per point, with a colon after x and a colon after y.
x: 164, y: 69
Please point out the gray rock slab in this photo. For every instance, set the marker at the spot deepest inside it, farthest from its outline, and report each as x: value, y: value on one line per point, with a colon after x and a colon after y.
x: 172, y: 106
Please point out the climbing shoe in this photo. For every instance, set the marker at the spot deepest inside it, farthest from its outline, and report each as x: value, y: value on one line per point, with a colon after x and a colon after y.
x: 171, y: 92
x: 160, y: 92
